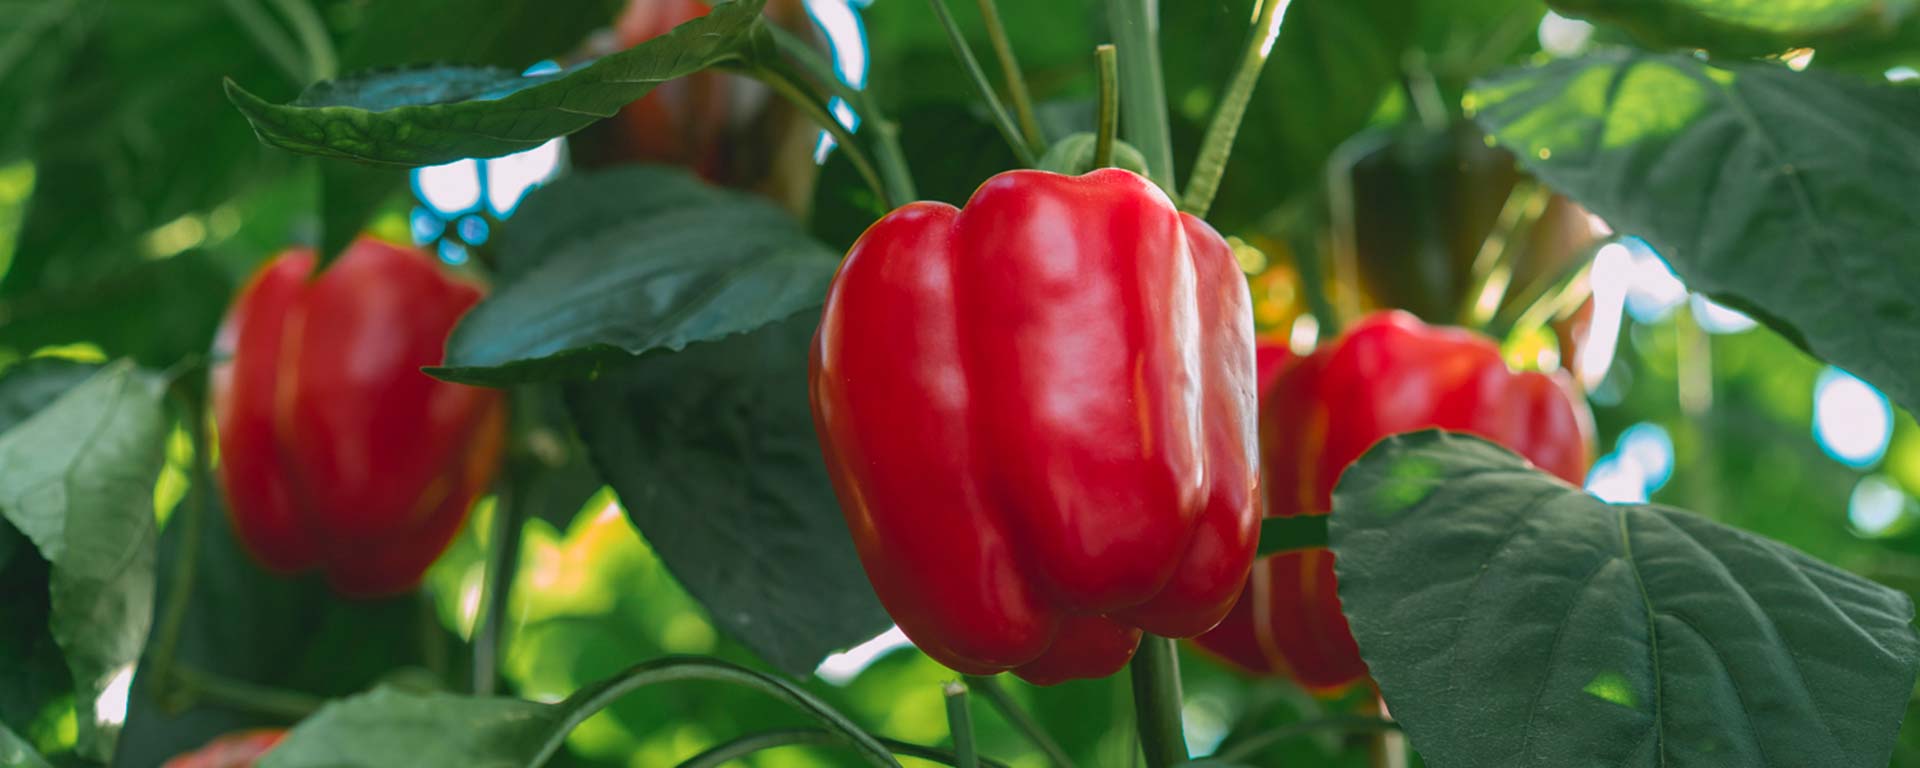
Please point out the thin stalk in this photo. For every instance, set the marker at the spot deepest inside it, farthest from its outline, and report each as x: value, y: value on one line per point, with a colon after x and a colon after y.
x: 1016, y: 82
x: 1247, y: 748
x: 1010, y: 711
x: 1492, y: 271
x: 886, y: 135
x: 191, y: 516
x: 496, y: 589
x: 960, y: 724
x: 1156, y: 702
x: 1218, y: 144
x: 268, y: 37
x: 1107, y: 61
x: 322, y: 63
x: 239, y: 694
x: 743, y: 746
x: 789, y: 88
x: 1136, y: 28
x: 1001, y: 119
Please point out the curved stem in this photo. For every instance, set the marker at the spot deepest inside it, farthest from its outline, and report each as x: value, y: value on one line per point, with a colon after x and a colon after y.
x: 239, y: 694
x: 191, y: 516
x: 1492, y: 269
x: 1136, y: 29
x: 1253, y: 745
x: 1218, y: 144
x: 1156, y: 702
x: 496, y: 590
x: 789, y: 88
x: 587, y: 701
x: 322, y: 63
x: 268, y: 37
x: 1011, y: 712
x: 1016, y: 82
x: 886, y: 135
x: 1106, y: 60
x: 746, y: 745
x: 1001, y: 120
x: 960, y: 725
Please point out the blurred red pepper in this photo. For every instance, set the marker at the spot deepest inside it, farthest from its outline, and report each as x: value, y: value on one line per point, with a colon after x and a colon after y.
x: 1388, y: 374
x: 234, y: 750
x: 336, y: 452
x: 1038, y: 413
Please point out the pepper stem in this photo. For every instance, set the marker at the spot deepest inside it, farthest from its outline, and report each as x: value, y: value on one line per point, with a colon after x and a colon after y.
x: 1107, y: 61
x: 1016, y: 82
x: 1136, y: 28
x: 1001, y: 119
x: 1156, y: 702
x: 960, y: 724
x: 1218, y: 144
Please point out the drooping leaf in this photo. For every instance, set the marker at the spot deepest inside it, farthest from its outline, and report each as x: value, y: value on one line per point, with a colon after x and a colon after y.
x: 79, y: 484
x: 1511, y: 619
x: 1743, y: 27
x: 1784, y: 193
x: 424, y: 116
x: 713, y: 455
x: 630, y: 261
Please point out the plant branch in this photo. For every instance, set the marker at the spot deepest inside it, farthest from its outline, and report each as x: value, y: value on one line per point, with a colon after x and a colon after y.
x: 238, y: 694
x: 496, y: 588
x: 322, y: 62
x: 743, y: 746
x: 960, y: 724
x: 1016, y: 82
x: 1492, y: 271
x: 790, y: 88
x: 1156, y: 702
x: 1247, y: 748
x: 191, y: 516
x: 1001, y: 119
x: 1010, y: 711
x: 886, y: 135
x: 1136, y: 30
x: 1218, y: 144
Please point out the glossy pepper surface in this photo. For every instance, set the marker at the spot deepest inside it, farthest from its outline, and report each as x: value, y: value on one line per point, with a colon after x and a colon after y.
x: 336, y: 452
x: 1039, y: 417
x: 1388, y: 374
x: 234, y: 750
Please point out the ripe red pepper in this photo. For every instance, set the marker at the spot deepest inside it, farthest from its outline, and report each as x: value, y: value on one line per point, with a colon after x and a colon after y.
x: 1388, y: 374
x: 336, y: 451
x: 234, y: 750
x: 1038, y: 413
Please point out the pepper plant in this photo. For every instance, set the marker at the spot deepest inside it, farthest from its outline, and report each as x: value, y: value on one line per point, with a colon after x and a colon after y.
x: 1071, y: 339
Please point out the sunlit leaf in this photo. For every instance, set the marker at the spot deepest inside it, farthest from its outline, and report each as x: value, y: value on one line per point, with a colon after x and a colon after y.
x: 1511, y: 619
x: 431, y: 115
x: 1743, y: 27
x: 79, y: 483
x: 604, y: 267
x: 1785, y: 194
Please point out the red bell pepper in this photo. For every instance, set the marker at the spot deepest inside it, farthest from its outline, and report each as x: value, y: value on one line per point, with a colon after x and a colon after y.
x: 234, y: 750
x: 336, y: 451
x: 1388, y: 374
x: 1038, y: 413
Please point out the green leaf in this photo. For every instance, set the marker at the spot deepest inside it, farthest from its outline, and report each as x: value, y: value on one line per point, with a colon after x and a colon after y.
x: 436, y: 730
x: 39, y: 38
x: 1286, y: 534
x: 426, y: 116
x: 79, y: 484
x: 156, y: 312
x: 1786, y: 193
x: 349, y: 196
x: 630, y: 261
x: 1743, y: 27
x: 713, y: 455
x: 1555, y: 629
x: 31, y: 385
x: 507, y: 33
x: 15, y: 752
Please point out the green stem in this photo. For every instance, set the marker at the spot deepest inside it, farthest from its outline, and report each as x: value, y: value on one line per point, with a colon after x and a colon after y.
x: 886, y: 135
x: 1492, y: 271
x: 1156, y: 702
x: 268, y: 37
x: 585, y: 702
x: 749, y: 744
x: 191, y: 516
x: 322, y: 63
x: 1106, y: 60
x: 1246, y: 749
x: 496, y: 590
x: 1010, y: 711
x: 1016, y: 82
x: 1136, y: 28
x: 1001, y: 119
x: 1218, y: 144
x: 789, y: 88
x: 196, y: 684
x: 960, y: 725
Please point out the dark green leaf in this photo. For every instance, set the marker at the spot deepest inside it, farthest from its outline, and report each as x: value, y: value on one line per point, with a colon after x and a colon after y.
x: 1784, y: 192
x: 1743, y: 27
x: 713, y: 455
x: 630, y: 261
x: 290, y: 633
x: 156, y: 312
x: 506, y: 33
x: 349, y: 195
x: 39, y: 38
x: 33, y: 384
x: 440, y: 114
x: 1555, y: 629
x: 79, y: 484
